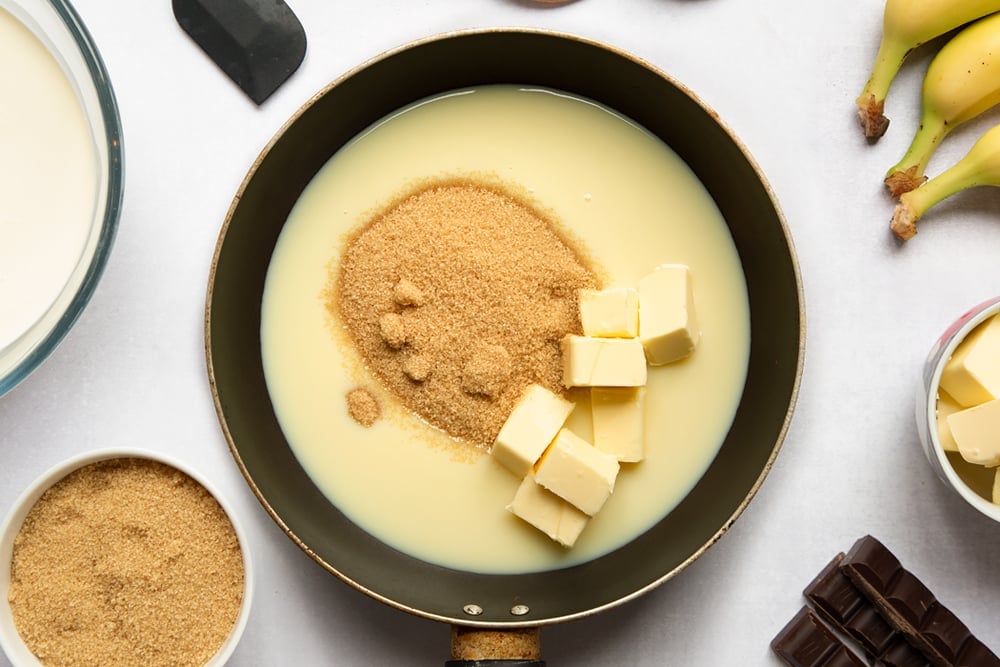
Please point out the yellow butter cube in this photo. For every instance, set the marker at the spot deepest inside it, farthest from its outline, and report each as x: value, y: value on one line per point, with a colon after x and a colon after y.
x: 946, y: 405
x: 603, y: 362
x: 972, y: 374
x: 577, y: 472
x: 548, y: 512
x: 619, y: 421
x: 531, y: 426
x: 668, y: 327
x: 996, y: 487
x: 977, y: 433
x: 610, y: 313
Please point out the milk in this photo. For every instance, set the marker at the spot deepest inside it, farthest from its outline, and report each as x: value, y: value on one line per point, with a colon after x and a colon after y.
x: 48, y: 180
x: 617, y: 191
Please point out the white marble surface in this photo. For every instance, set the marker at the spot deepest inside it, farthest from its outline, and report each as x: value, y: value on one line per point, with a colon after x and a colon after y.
x: 783, y: 75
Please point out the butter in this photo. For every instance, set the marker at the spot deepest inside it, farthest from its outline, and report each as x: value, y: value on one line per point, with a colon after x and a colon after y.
x: 668, y: 327
x: 996, y: 487
x: 577, y: 472
x: 531, y: 426
x: 548, y: 512
x: 619, y: 421
x: 610, y: 313
x: 972, y: 374
x: 977, y: 433
x: 603, y: 362
x: 946, y: 405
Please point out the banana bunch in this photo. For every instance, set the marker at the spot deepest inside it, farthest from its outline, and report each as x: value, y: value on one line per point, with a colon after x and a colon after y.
x: 906, y: 25
x: 980, y: 166
x: 962, y: 81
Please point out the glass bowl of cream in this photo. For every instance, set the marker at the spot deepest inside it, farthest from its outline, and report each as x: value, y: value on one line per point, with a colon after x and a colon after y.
x: 957, y: 407
x: 61, y: 178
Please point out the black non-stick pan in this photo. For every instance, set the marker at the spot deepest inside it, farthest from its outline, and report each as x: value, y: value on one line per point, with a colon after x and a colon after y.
x: 505, y: 602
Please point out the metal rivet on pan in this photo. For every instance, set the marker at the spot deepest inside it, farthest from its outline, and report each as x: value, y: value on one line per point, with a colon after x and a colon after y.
x: 472, y: 609
x: 520, y: 609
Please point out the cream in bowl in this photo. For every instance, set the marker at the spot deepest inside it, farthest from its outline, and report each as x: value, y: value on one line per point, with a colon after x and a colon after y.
x: 958, y: 408
x: 122, y: 557
x: 60, y: 178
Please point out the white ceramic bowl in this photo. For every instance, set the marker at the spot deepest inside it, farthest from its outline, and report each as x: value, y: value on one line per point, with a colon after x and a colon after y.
x: 11, y: 642
x: 53, y: 287
x: 927, y: 404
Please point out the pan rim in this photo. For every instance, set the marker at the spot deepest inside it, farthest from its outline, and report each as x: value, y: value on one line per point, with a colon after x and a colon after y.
x: 472, y: 621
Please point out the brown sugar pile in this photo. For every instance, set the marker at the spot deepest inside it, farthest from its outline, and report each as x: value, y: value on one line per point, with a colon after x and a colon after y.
x: 126, y: 562
x: 362, y: 406
x: 457, y: 296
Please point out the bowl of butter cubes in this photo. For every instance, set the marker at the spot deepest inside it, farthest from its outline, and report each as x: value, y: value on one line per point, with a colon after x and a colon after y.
x: 958, y: 407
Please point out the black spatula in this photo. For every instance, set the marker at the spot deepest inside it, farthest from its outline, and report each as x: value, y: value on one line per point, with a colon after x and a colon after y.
x: 257, y: 43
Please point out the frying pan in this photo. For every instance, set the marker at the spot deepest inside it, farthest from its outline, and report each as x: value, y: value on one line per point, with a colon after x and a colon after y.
x: 515, y: 604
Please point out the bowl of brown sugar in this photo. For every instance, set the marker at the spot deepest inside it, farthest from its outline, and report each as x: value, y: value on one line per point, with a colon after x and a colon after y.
x: 122, y: 557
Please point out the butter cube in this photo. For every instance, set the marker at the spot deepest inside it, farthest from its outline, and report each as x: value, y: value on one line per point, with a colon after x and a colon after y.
x: 531, y: 426
x: 946, y: 405
x: 603, y: 362
x: 668, y: 327
x: 996, y: 487
x: 977, y: 432
x: 548, y: 512
x: 577, y: 472
x: 972, y: 375
x: 619, y: 421
x: 610, y: 313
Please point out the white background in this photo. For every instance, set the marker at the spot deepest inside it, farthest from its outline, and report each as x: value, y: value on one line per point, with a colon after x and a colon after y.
x: 783, y: 74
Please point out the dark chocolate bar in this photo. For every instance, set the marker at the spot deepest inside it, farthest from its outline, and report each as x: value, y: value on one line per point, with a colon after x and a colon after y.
x: 806, y: 642
x: 900, y: 653
x: 839, y: 602
x: 910, y: 607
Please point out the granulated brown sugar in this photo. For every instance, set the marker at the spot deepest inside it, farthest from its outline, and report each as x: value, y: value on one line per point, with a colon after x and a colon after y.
x: 487, y: 370
x: 362, y: 406
x: 126, y: 562
x: 457, y: 296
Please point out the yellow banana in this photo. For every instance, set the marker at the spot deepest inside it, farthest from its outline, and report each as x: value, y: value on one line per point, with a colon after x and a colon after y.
x: 980, y: 166
x: 962, y: 81
x: 907, y: 24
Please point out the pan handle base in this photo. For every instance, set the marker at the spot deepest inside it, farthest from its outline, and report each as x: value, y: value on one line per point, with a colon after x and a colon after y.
x: 474, y: 647
x: 495, y: 663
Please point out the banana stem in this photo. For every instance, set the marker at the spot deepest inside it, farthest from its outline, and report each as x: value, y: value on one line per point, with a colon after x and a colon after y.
x: 908, y: 173
x: 913, y: 204
x: 871, y: 102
